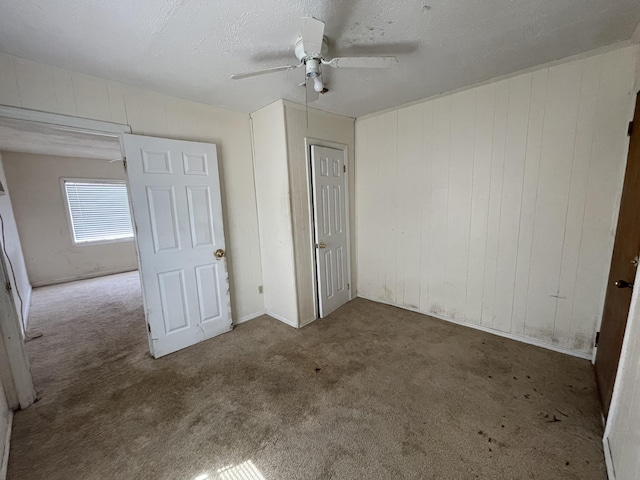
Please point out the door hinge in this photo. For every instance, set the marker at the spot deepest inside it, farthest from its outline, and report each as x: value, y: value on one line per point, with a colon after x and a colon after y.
x: 124, y: 162
x: 348, y: 286
x: 7, y: 286
x: 597, y: 339
x: 630, y: 129
x: 344, y: 168
x: 149, y: 327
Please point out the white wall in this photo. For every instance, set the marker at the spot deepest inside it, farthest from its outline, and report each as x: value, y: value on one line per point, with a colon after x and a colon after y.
x: 622, y: 435
x: 41, y: 214
x: 331, y: 128
x: 274, y: 212
x: 42, y: 87
x: 21, y: 286
x: 496, y: 206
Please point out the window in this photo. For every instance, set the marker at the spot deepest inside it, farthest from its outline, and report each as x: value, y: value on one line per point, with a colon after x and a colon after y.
x: 98, y: 211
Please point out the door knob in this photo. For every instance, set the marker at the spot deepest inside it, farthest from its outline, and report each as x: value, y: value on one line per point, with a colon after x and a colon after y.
x: 321, y: 245
x: 219, y: 253
x: 623, y: 284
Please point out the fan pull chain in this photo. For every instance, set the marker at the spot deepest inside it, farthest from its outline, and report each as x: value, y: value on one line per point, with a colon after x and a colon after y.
x: 306, y: 100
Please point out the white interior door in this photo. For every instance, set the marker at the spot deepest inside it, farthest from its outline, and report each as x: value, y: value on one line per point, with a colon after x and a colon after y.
x: 174, y: 188
x: 328, y: 167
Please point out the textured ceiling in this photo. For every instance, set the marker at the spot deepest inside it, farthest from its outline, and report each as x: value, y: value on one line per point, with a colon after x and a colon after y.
x: 189, y: 48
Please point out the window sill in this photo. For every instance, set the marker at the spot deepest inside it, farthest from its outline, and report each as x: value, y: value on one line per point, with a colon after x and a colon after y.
x: 91, y: 243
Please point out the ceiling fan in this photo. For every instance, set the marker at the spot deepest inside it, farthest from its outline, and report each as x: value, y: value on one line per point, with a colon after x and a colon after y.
x: 310, y: 48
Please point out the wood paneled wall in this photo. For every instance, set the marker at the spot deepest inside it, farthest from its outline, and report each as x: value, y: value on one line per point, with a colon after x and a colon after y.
x: 42, y: 87
x: 496, y: 206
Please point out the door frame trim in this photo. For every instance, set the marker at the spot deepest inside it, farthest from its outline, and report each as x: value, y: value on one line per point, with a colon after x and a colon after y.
x: 65, y: 122
x: 17, y: 381
x: 608, y: 459
x: 308, y: 143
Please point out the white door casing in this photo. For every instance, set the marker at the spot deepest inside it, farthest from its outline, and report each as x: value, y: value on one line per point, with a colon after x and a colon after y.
x: 328, y: 166
x: 174, y: 189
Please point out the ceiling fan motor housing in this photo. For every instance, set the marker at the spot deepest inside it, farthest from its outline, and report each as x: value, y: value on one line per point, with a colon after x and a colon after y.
x: 312, y: 67
x: 303, y: 55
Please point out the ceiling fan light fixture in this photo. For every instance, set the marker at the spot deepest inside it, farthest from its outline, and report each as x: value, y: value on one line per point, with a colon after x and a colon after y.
x: 318, y: 84
x: 314, y: 73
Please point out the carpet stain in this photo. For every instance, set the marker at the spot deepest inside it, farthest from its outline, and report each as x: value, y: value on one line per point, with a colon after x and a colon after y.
x: 371, y: 392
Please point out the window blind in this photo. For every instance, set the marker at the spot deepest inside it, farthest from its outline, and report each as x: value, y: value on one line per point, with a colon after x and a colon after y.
x: 99, y: 211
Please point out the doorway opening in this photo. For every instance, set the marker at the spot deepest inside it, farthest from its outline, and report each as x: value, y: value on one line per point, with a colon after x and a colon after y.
x: 67, y: 231
x: 174, y: 236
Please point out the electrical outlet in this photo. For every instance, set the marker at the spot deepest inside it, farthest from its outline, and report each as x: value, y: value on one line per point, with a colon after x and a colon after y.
x: 259, y: 288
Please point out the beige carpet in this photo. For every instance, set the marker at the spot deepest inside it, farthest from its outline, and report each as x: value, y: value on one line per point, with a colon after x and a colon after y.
x: 373, y: 392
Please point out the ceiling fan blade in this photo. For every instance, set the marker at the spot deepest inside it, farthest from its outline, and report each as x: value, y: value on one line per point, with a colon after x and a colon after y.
x: 312, y: 33
x: 361, y: 62
x: 238, y: 76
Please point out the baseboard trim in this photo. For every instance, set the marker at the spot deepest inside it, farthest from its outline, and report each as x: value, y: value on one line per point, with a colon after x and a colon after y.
x: 246, y: 318
x: 86, y: 276
x: 282, y: 319
x: 5, y: 455
x: 608, y: 459
x: 511, y: 336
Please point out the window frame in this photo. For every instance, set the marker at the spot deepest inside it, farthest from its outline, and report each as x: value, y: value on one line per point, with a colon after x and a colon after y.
x: 67, y: 208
